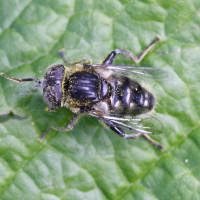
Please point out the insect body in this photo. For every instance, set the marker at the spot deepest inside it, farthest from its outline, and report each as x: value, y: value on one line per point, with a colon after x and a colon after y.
x: 104, y: 91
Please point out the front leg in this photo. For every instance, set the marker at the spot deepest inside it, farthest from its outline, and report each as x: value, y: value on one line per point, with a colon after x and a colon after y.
x: 69, y: 127
x: 62, y: 53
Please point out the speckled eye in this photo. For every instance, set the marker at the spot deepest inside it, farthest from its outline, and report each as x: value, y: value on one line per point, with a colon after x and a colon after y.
x: 52, y: 92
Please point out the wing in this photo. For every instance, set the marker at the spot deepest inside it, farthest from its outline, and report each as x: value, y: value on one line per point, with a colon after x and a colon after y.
x: 144, y: 124
x: 148, y: 73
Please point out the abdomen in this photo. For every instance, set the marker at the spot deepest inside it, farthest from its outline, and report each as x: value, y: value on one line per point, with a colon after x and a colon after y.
x: 128, y: 97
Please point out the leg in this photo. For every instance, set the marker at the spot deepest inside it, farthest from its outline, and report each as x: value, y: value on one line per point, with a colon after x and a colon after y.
x: 69, y: 127
x: 156, y: 144
x: 109, y: 59
x: 62, y: 53
x: 119, y: 131
x: 20, y: 80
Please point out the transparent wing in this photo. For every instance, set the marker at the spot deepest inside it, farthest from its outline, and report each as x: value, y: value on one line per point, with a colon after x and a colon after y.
x: 145, y: 124
x: 148, y: 73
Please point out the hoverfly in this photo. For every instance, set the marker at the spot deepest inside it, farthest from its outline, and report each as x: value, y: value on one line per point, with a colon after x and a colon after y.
x: 105, y: 91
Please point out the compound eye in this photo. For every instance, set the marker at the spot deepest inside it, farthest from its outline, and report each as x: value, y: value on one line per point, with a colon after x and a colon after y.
x: 54, y: 72
x: 52, y: 92
x: 52, y: 97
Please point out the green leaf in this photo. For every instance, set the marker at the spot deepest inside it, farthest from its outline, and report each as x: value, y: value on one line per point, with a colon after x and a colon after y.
x: 91, y: 162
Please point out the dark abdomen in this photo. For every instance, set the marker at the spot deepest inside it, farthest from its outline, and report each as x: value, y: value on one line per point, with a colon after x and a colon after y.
x: 128, y: 97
